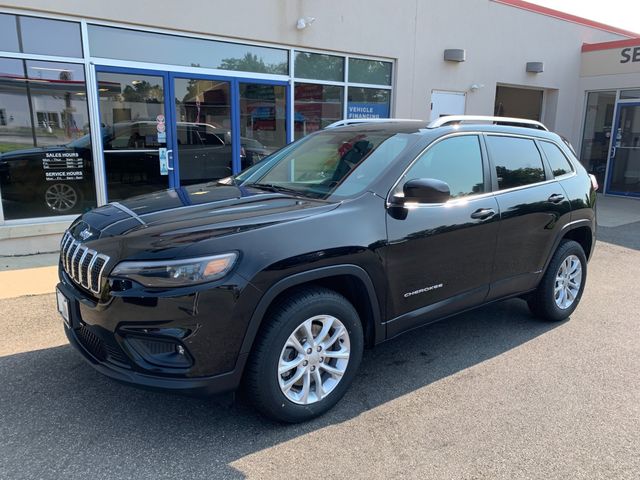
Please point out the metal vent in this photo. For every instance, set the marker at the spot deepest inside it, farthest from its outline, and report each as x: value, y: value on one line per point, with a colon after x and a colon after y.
x: 83, y: 265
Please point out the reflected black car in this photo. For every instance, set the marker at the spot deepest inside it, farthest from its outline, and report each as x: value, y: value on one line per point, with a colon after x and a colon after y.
x: 277, y: 278
x: 59, y: 179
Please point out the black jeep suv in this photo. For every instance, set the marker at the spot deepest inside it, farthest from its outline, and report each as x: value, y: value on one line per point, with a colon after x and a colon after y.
x: 277, y: 278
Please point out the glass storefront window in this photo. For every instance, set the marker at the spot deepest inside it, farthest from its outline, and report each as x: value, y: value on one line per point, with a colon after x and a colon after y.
x: 316, y: 66
x: 263, y: 116
x: 46, y: 166
x: 373, y: 72
x: 597, y: 132
x: 124, y: 44
x: 630, y: 94
x: 50, y: 37
x: 315, y: 107
x: 368, y: 103
x: 8, y: 33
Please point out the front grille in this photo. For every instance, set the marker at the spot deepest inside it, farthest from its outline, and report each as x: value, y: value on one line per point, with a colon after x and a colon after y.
x: 83, y: 265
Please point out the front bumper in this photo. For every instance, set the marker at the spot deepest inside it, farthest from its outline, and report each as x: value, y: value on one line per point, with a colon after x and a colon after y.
x: 101, y: 332
x: 214, y: 385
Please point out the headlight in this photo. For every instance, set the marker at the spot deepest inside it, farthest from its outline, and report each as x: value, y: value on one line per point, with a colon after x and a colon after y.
x: 177, y: 273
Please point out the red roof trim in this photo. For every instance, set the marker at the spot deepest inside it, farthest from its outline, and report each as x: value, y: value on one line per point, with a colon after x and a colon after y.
x: 550, y: 12
x: 591, y: 47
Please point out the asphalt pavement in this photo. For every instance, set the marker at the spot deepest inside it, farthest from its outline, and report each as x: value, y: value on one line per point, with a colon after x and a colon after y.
x: 490, y: 394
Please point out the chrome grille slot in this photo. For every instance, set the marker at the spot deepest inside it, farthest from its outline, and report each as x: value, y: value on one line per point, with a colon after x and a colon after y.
x: 82, y: 264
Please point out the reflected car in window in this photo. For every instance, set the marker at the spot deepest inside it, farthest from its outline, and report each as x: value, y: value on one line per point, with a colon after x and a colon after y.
x: 60, y: 179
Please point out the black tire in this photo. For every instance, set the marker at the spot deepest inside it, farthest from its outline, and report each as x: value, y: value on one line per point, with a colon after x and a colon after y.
x: 284, y: 318
x: 542, y: 302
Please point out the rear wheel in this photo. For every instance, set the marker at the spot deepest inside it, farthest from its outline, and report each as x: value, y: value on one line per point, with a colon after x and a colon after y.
x: 561, y: 287
x: 306, y: 355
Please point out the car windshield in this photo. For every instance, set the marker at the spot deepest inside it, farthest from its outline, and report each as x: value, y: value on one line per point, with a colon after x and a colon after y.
x: 332, y: 163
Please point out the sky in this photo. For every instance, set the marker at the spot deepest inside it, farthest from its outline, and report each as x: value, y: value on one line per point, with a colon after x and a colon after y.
x: 619, y: 13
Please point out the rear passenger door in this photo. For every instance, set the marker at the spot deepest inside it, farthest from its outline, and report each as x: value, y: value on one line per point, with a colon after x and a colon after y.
x: 533, y: 210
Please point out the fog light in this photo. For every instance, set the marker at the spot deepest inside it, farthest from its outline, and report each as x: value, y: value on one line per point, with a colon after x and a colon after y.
x: 152, y: 352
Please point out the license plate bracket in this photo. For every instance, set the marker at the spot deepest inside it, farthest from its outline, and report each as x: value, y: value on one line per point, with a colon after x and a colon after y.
x: 63, y: 307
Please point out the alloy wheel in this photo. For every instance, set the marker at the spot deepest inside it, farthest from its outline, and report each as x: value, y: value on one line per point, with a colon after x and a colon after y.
x: 314, y: 359
x: 61, y: 197
x: 568, y: 282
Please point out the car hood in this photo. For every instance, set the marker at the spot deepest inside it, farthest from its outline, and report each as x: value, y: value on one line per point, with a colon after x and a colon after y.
x: 162, y: 224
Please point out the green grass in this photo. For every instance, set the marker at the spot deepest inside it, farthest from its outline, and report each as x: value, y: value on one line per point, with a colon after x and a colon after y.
x: 9, y: 147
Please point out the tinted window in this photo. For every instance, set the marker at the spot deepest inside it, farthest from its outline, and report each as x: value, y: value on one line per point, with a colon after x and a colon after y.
x: 46, y: 167
x: 50, y: 37
x: 369, y: 71
x: 368, y: 103
x: 316, y: 106
x: 8, y: 34
x: 559, y: 163
x: 139, y: 46
x: 517, y: 161
x: 319, y: 66
x: 457, y: 161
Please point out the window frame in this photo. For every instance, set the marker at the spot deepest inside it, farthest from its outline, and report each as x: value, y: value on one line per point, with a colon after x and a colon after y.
x: 486, y: 171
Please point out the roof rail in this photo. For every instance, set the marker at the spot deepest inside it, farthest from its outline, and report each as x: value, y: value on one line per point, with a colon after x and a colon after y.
x: 355, y: 121
x: 514, y: 122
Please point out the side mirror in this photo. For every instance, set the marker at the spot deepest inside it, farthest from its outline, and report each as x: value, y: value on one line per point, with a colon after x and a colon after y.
x: 426, y: 190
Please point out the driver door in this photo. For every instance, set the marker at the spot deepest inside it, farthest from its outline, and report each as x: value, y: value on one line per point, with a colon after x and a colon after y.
x: 440, y: 255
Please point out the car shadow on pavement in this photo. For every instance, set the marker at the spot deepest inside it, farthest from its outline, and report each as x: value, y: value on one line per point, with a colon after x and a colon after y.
x: 61, y: 419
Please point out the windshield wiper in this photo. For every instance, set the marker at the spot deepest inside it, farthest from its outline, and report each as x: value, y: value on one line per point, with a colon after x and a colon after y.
x: 271, y: 187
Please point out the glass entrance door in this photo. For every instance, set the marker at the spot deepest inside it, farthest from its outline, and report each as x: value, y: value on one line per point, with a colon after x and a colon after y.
x: 204, y: 132
x: 164, y: 129
x: 133, y: 119
x: 624, y: 162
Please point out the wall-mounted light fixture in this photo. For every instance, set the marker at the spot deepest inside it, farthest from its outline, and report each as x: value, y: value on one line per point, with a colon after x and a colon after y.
x: 535, y: 67
x: 304, y: 22
x: 476, y: 86
x: 455, y: 55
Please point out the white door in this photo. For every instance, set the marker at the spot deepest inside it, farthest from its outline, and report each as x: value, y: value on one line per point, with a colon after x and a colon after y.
x: 446, y: 103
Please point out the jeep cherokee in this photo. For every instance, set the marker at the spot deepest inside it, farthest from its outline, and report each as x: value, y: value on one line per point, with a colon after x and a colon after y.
x: 277, y: 278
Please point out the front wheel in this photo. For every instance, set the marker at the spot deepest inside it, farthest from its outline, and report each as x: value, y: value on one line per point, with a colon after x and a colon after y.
x: 306, y: 355
x: 561, y: 287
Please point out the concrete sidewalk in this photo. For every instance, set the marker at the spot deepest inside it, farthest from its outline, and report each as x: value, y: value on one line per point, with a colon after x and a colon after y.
x: 28, y: 275
x: 37, y: 274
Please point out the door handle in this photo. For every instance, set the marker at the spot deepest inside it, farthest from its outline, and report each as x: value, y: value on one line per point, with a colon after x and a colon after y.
x: 483, y: 213
x: 556, y: 198
x: 170, y: 159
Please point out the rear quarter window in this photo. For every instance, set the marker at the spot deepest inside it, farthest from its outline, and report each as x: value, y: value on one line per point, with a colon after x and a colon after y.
x: 559, y: 164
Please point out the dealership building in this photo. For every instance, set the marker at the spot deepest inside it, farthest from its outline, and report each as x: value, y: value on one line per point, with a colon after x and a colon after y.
x: 102, y: 101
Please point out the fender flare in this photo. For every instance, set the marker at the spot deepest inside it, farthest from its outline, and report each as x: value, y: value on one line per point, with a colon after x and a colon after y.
x: 304, y: 277
x: 583, y: 222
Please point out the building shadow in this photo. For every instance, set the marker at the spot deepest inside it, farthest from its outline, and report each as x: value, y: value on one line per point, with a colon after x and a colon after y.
x: 61, y: 419
x: 627, y: 235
